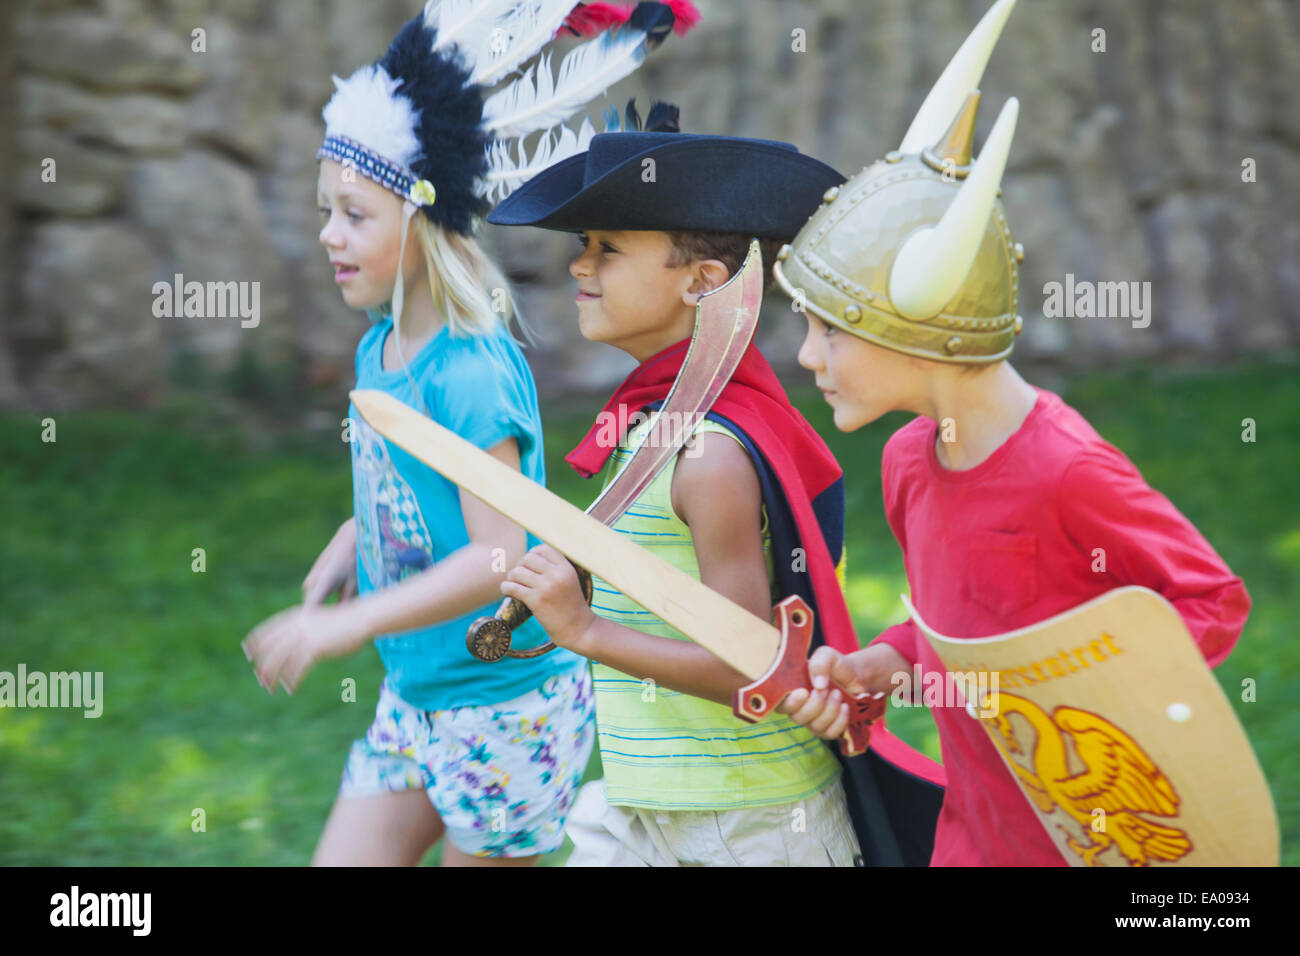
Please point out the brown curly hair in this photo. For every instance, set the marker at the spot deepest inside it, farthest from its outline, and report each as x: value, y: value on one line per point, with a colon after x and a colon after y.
x: 728, y: 247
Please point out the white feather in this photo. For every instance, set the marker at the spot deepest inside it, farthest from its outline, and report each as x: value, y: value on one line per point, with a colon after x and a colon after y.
x: 588, y: 70
x: 506, y: 173
x: 465, y: 23
x: 524, y: 31
x: 365, y: 108
x: 431, y: 13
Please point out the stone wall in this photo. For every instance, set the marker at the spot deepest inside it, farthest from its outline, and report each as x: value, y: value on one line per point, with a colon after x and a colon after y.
x: 1127, y: 165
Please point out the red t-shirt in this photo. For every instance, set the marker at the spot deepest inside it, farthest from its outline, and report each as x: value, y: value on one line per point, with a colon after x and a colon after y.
x: 1010, y: 543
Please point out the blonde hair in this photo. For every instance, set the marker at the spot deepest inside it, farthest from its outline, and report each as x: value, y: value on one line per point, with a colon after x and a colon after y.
x: 469, y: 290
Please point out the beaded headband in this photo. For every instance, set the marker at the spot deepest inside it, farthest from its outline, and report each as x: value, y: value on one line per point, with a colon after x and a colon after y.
x: 400, y: 179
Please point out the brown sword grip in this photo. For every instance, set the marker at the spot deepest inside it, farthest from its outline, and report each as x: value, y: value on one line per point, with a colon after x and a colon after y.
x: 489, y: 638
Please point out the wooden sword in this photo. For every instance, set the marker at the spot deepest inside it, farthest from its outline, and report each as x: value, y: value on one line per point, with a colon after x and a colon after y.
x: 774, y: 658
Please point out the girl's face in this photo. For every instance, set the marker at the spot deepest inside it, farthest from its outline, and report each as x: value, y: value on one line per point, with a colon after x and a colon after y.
x: 859, y: 380
x: 361, y: 227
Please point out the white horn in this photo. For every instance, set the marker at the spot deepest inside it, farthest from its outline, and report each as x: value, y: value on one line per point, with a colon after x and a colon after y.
x: 958, y: 79
x: 932, y: 264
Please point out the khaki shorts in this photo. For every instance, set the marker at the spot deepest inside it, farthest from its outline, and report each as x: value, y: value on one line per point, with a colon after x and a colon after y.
x: 814, y: 831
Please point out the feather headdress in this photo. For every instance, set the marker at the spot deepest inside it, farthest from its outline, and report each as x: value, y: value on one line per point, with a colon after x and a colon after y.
x: 426, y: 122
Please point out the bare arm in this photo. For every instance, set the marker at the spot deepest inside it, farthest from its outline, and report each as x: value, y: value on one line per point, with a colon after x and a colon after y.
x: 284, y: 647
x: 718, y: 496
x: 461, y: 582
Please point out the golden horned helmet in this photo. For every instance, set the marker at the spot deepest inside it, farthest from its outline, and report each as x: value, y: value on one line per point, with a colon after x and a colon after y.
x: 914, y: 253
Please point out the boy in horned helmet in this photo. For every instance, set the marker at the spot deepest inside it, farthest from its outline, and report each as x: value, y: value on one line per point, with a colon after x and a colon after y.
x: 1001, y: 496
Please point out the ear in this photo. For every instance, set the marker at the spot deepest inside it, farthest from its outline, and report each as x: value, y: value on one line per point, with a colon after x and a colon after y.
x: 706, y: 275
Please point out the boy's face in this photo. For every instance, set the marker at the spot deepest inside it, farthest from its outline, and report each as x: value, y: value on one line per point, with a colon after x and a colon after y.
x: 361, y: 227
x: 628, y: 295
x: 859, y: 380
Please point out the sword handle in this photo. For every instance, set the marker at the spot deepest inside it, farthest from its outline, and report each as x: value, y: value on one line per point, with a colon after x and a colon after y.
x: 489, y: 638
x: 789, y: 671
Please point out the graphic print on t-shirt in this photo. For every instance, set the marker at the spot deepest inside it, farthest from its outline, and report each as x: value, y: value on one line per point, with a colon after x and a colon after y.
x: 391, y: 534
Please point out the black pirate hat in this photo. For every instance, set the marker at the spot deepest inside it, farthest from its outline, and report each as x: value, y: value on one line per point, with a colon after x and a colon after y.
x: 674, y: 182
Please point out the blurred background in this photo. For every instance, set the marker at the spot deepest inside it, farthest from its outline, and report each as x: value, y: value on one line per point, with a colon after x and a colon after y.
x: 1164, y: 149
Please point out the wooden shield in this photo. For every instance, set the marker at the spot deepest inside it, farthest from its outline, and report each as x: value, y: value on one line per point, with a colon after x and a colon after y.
x: 1119, y: 736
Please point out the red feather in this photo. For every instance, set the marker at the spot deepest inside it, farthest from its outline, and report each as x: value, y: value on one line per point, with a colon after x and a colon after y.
x: 589, y: 19
x: 685, y: 16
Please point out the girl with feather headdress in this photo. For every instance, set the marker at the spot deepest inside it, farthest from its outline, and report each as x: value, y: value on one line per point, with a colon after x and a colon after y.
x: 416, y: 147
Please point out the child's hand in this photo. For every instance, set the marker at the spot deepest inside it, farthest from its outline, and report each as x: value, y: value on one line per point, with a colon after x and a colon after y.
x: 826, y: 711
x: 336, y: 568
x: 283, y: 648
x: 547, y: 583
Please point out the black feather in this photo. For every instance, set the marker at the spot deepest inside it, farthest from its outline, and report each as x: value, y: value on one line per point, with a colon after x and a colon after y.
x: 452, y: 142
x: 656, y: 19
x: 662, y: 118
x: 631, y: 118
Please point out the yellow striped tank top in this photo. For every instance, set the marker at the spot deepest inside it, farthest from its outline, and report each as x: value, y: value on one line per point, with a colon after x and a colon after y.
x: 666, y: 750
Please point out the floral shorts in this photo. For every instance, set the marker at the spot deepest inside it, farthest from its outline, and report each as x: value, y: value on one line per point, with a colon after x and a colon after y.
x: 502, y: 777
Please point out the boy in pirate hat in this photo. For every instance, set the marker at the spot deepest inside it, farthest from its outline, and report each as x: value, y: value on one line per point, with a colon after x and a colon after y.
x: 1008, y: 506
x: 753, y: 507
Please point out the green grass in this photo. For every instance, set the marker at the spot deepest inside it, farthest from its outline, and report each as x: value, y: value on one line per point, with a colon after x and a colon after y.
x: 95, y: 575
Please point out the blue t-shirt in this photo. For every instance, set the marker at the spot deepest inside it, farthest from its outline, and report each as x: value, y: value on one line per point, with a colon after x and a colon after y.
x: 408, y: 516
